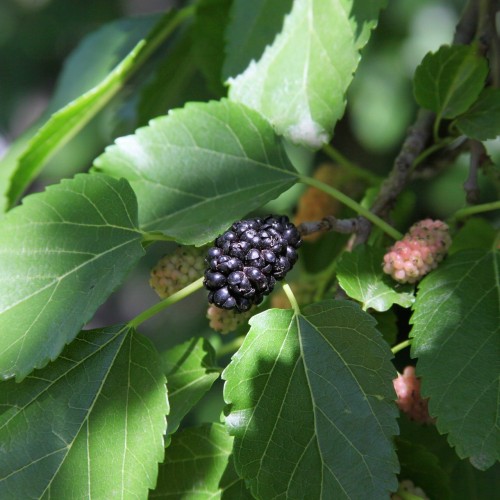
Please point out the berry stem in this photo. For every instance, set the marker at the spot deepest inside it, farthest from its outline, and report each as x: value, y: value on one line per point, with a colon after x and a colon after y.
x: 354, y: 205
x: 173, y: 299
x: 230, y: 347
x: 476, y: 209
x: 401, y: 346
x: 350, y: 167
x: 291, y: 298
x: 151, y: 237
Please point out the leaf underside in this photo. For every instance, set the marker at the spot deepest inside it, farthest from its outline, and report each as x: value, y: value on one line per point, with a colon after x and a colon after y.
x: 299, y: 83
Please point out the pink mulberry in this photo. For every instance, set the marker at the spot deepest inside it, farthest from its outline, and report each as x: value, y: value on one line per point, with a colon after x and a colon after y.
x: 420, y: 251
x: 177, y: 270
x: 407, y: 387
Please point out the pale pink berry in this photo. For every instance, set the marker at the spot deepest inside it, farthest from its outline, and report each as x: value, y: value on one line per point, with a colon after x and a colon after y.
x: 177, y: 270
x: 419, y: 252
x: 407, y: 387
x: 227, y: 320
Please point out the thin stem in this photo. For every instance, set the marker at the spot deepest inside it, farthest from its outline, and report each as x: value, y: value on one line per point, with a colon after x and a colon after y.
x: 350, y: 167
x: 354, y: 205
x: 173, y: 299
x: 401, y: 346
x: 291, y: 298
x: 230, y: 347
x: 146, y: 237
x: 476, y: 209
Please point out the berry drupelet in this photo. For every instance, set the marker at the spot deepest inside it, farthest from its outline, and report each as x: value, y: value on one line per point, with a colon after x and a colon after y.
x: 248, y: 259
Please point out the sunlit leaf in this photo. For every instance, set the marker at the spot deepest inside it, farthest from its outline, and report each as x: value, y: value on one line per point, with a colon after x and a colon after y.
x: 450, y: 80
x: 194, y: 463
x: 311, y: 405
x: 89, y: 425
x: 299, y: 83
x: 61, y: 255
x: 360, y: 275
x: 456, y: 328
x: 191, y: 370
x: 200, y: 168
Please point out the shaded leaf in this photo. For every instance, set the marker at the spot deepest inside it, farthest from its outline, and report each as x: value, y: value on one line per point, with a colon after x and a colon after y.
x: 194, y: 463
x: 200, y: 168
x: 387, y: 325
x: 482, y: 120
x: 361, y: 277
x: 465, y: 481
x: 98, y: 410
x: 232, y: 486
x: 475, y: 233
x: 450, y: 80
x: 61, y: 255
x: 191, y: 370
x: 456, y: 326
x: 423, y: 468
x: 252, y: 26
x: 299, y: 83
x: 208, y: 41
x: 67, y: 121
x: 311, y: 405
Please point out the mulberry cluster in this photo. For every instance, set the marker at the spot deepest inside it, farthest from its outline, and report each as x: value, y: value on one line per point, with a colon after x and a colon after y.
x: 226, y: 321
x: 173, y: 272
x: 407, y: 387
x: 420, y: 251
x: 248, y: 259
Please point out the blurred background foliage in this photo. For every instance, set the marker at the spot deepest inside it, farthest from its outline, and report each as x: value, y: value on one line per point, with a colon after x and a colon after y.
x: 36, y: 37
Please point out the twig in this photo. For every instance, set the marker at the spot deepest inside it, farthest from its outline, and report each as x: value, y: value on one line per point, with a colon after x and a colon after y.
x: 478, y: 155
x: 329, y: 223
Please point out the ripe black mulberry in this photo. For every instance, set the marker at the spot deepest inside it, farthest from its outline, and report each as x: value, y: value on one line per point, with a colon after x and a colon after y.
x: 248, y: 259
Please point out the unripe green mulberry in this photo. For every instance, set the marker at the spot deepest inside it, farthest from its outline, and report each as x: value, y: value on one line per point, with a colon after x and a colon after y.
x: 407, y: 486
x: 175, y: 271
x: 227, y: 320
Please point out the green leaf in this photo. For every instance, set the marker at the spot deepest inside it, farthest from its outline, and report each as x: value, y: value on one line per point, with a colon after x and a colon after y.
x: 174, y: 80
x: 67, y: 121
x: 191, y: 370
x: 450, y: 80
x: 361, y: 277
x: 423, y: 468
x: 61, y: 255
x: 299, y: 83
x: 455, y: 338
x: 89, y: 425
x: 387, y: 325
x: 200, y: 168
x: 482, y: 120
x: 194, y: 463
x: 466, y: 481
x: 311, y: 405
x: 232, y: 486
x: 476, y: 233
x: 252, y: 26
x: 208, y: 40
